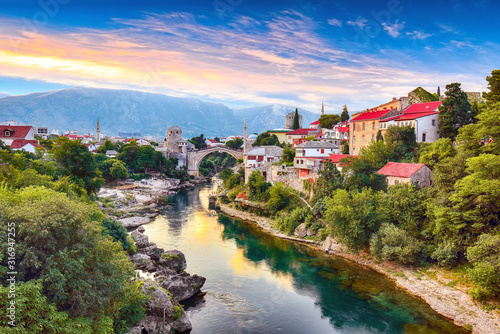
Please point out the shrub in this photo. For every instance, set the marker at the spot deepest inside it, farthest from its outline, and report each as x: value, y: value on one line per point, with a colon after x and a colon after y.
x: 485, y: 259
x: 446, y: 254
x: 394, y: 244
x: 288, y: 222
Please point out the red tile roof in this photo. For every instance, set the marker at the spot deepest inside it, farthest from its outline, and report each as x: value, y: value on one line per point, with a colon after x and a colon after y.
x: 343, y: 129
x: 423, y: 107
x: 213, y: 141
x: 300, y: 132
x: 314, y: 123
x: 400, y: 169
x: 370, y: 115
x: 335, y: 158
x: 20, y: 143
x: 318, y: 135
x: 18, y: 131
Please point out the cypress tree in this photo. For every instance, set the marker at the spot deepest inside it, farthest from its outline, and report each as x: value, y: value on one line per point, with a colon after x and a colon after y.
x: 296, y: 124
x: 345, y: 114
x: 379, y: 136
x: 454, y: 112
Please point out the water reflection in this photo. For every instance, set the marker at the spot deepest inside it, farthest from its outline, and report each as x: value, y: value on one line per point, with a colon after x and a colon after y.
x: 260, y: 284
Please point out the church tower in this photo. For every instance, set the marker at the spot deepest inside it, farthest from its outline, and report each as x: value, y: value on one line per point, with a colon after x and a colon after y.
x: 322, y: 108
x: 98, y: 131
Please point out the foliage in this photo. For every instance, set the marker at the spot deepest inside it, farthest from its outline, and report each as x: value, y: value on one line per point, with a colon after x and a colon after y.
x: 401, y: 142
x: 117, y: 232
x: 328, y: 181
x: 280, y: 198
x: 257, y: 187
x: 345, y: 148
x: 78, y: 163
x: 233, y: 180
x: 143, y: 158
x: 494, y: 86
x: 423, y: 95
x: 344, y: 116
x: 287, y: 156
x: 377, y: 154
x: 485, y: 259
x: 395, y: 244
x: 296, y: 122
x: 454, y: 112
x: 107, y: 146
x: 235, y: 143
x: 433, y: 153
x: 380, y: 137
x: 358, y: 173
x: 327, y: 121
x: 266, y: 139
x: 446, y: 254
x: 198, y: 142
x: 354, y: 216
x: 288, y: 222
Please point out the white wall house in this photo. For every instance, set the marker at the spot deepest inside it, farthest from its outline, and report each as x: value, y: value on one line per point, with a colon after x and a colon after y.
x: 315, y: 149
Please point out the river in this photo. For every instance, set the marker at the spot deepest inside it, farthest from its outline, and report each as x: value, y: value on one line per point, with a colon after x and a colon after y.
x: 257, y: 283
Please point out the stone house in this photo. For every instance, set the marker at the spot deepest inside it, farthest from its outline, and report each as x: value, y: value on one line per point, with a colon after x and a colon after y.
x: 398, y: 172
x: 261, y: 158
x: 299, y: 136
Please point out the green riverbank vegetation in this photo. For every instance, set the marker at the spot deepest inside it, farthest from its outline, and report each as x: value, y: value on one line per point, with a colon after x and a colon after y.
x: 452, y: 226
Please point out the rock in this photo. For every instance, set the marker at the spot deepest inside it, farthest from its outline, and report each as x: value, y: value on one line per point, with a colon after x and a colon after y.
x: 141, y: 229
x: 153, y: 251
x: 163, y: 313
x: 181, y: 285
x: 150, y: 267
x: 300, y: 231
x: 133, y: 222
x: 141, y: 260
x: 173, y: 260
x: 141, y: 240
x: 310, y: 232
x: 328, y: 244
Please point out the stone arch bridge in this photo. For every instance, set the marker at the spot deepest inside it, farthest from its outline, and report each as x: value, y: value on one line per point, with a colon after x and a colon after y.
x: 194, y: 158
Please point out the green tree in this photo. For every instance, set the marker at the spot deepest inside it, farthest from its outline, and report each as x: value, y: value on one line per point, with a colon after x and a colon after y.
x: 494, y: 86
x: 280, y: 198
x: 107, y: 146
x: 296, y: 123
x: 380, y: 137
x: 344, y: 116
x: 235, y: 143
x: 454, y: 112
x: 78, y: 163
x: 198, y: 142
x: 353, y: 216
x: 485, y: 258
x: 401, y: 141
x: 266, y: 139
x: 257, y: 187
x: 118, y: 170
x: 395, y: 244
x: 287, y: 156
x: 328, y: 181
x: 359, y: 173
x: 377, y: 154
x: 328, y: 120
x: 437, y: 151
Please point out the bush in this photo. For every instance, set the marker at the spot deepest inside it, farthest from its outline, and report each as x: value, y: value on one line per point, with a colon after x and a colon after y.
x: 288, y: 222
x: 394, y: 244
x: 485, y: 259
x: 446, y: 254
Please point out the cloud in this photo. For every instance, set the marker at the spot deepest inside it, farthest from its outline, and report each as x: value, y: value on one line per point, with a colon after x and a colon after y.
x: 447, y: 29
x: 335, y: 23
x: 418, y: 35
x: 360, y: 22
x: 393, y: 30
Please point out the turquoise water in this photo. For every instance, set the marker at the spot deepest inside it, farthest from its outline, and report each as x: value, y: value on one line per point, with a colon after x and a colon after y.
x: 257, y: 283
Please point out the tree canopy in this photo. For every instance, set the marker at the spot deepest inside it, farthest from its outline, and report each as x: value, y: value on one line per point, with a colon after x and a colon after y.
x: 494, y: 86
x: 328, y: 120
x: 344, y: 116
x: 454, y: 112
x: 296, y: 122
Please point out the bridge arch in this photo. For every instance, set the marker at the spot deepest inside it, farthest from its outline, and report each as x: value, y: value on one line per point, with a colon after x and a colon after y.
x: 196, y: 157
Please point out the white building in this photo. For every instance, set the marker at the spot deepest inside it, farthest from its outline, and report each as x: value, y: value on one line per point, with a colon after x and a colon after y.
x: 315, y: 149
x: 9, y: 133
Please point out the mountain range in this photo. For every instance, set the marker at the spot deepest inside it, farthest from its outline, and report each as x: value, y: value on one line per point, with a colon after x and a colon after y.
x: 78, y: 108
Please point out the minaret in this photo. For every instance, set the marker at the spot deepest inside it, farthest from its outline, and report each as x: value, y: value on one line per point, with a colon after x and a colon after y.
x: 322, y: 108
x: 98, y: 131
x: 245, y: 137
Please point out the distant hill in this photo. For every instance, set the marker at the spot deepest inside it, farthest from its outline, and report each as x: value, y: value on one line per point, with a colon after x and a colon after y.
x: 2, y: 95
x: 78, y: 108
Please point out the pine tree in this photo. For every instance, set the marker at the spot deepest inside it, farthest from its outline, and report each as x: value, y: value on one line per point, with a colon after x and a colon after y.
x: 439, y: 91
x: 296, y: 124
x: 379, y: 136
x: 454, y: 112
x: 345, y: 114
x: 493, y: 86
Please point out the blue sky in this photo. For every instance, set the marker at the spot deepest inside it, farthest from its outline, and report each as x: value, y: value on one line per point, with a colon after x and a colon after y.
x: 246, y: 53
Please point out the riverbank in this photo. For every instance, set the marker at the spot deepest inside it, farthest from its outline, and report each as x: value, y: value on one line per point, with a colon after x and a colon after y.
x: 450, y: 302
x: 137, y: 203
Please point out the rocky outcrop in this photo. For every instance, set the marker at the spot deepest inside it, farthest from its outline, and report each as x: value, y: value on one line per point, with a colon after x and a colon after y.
x: 181, y: 285
x: 133, y: 222
x: 163, y: 312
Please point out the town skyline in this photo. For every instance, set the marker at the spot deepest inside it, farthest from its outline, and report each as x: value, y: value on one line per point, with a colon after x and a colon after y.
x: 248, y: 54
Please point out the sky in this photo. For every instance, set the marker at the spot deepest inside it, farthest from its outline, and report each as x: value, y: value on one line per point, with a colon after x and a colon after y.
x: 248, y: 53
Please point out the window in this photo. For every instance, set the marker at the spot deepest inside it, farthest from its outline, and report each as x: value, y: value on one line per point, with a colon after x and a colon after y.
x: 433, y: 122
x: 7, y: 133
x: 353, y: 126
x: 373, y: 137
x: 354, y: 139
x: 373, y: 126
x: 363, y: 127
x: 396, y: 182
x: 322, y: 151
x: 423, y: 137
x: 362, y: 139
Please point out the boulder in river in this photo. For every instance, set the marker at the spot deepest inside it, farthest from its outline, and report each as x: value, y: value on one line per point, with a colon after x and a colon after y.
x: 141, y: 240
x: 133, y: 222
x: 173, y: 260
x: 181, y: 285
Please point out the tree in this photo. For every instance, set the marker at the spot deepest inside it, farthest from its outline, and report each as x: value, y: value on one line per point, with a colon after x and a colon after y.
x: 380, y: 137
x: 266, y: 139
x: 454, y: 112
x: 353, y: 216
x: 327, y: 121
x: 437, y: 151
x: 107, y: 146
x: 118, y: 170
x: 79, y: 163
x: 494, y: 86
x: 401, y: 142
x: 235, y: 143
x: 395, y: 244
x: 198, y: 142
x: 377, y: 154
x: 344, y: 116
x: 296, y: 123
x: 485, y: 258
x: 328, y: 181
x: 359, y: 173
x: 257, y: 187
x: 287, y: 156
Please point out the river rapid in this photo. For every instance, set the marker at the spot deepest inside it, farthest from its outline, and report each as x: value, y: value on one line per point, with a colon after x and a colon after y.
x: 257, y: 283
